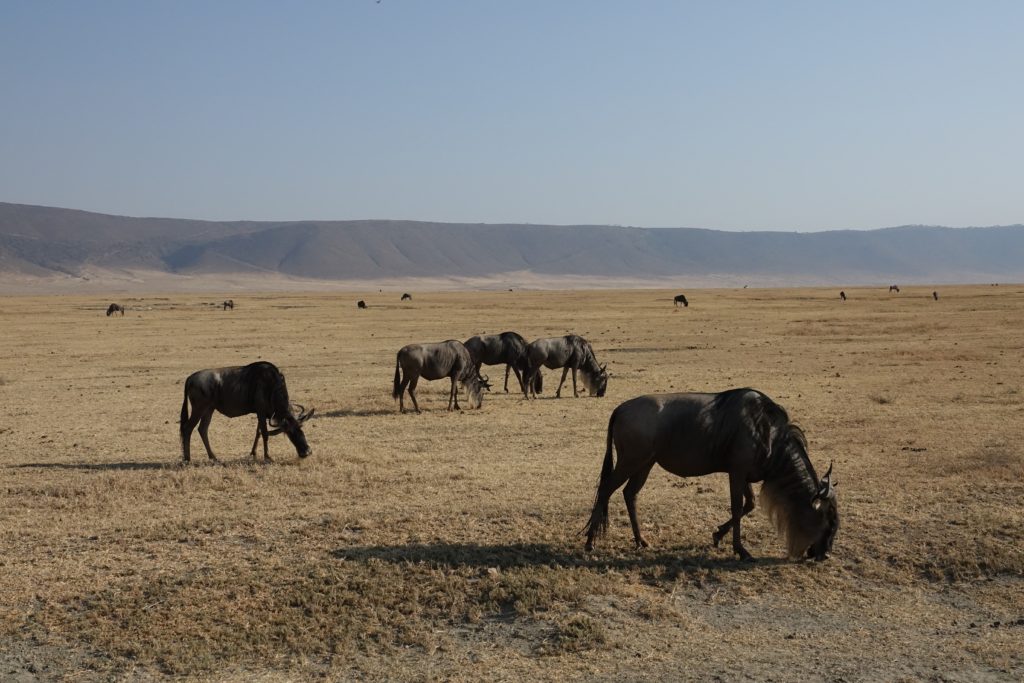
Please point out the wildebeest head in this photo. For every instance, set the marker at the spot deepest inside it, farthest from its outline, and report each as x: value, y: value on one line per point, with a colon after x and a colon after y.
x: 292, y: 427
x: 595, y: 378
x: 475, y: 386
x: 826, y: 504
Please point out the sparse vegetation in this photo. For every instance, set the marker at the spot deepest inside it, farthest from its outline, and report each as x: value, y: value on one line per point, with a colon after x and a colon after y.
x: 446, y: 545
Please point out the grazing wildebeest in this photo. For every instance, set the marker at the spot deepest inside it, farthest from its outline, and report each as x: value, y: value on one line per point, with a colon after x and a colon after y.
x: 681, y: 299
x: 842, y: 295
x: 494, y: 349
x: 434, y: 361
x: 114, y: 308
x: 935, y: 295
x: 255, y: 388
x: 229, y: 304
x: 407, y: 297
x: 894, y: 288
x: 361, y: 304
x: 741, y: 432
x: 570, y: 352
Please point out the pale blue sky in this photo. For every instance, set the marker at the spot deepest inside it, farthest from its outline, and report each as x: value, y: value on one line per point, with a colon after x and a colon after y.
x: 733, y: 115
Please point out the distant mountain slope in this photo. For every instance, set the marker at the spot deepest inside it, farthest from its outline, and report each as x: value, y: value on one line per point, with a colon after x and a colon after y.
x: 41, y: 240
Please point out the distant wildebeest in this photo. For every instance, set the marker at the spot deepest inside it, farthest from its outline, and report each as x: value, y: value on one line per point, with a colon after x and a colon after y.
x: 114, y: 308
x: 407, y: 297
x: 570, y: 352
x: 740, y: 432
x: 255, y: 388
x: 935, y: 295
x: 494, y: 349
x: 434, y: 361
x: 361, y: 304
x: 842, y: 295
x: 894, y: 288
x: 229, y: 304
x: 681, y: 299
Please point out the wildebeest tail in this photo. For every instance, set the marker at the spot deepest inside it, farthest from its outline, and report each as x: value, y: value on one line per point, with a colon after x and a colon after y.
x: 538, y: 382
x: 396, y: 391
x: 184, y: 413
x: 598, y: 523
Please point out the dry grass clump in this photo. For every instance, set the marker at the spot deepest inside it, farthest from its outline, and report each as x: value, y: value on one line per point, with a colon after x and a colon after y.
x: 446, y: 545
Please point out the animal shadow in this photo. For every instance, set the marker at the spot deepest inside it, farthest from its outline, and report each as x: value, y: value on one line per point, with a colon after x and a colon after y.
x: 519, y: 555
x: 367, y: 412
x: 97, y: 466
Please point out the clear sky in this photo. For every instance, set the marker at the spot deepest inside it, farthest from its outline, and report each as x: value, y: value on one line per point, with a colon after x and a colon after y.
x: 731, y: 115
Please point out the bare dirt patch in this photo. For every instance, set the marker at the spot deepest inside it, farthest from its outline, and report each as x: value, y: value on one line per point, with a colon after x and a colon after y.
x: 445, y: 545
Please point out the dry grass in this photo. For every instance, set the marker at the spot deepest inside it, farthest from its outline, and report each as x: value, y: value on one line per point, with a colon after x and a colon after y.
x: 414, y: 547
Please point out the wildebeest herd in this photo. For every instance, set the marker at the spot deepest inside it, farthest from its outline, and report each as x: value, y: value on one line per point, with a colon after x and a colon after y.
x: 740, y: 432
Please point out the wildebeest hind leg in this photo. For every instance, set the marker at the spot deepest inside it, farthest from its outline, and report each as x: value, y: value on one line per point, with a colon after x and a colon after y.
x: 575, y: 392
x: 204, y: 425
x: 507, y: 368
x: 186, y: 435
x: 412, y: 392
x: 624, y: 470
x: 633, y: 486
x: 748, y: 506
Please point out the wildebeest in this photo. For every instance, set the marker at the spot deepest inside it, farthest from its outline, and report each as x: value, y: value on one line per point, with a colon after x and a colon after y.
x: 407, y: 297
x: 494, y: 349
x: 935, y: 295
x: 894, y: 288
x: 741, y: 432
x: 842, y: 295
x: 361, y: 304
x: 114, y: 308
x: 255, y: 388
x: 570, y: 352
x: 681, y: 299
x: 229, y: 304
x: 434, y: 361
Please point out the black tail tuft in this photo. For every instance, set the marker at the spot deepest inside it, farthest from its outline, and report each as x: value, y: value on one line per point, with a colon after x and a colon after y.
x: 396, y: 391
x: 598, y: 523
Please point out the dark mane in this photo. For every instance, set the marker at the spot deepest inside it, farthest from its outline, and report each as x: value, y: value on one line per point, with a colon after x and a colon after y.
x: 789, y: 485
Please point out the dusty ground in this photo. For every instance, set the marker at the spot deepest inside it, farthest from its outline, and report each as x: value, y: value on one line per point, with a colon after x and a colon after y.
x: 445, y: 546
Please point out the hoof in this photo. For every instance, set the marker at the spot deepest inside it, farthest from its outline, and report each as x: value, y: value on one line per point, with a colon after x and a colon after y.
x: 589, y: 546
x: 717, y: 537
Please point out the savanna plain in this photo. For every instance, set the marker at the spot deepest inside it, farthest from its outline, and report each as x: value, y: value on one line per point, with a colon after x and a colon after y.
x: 446, y: 545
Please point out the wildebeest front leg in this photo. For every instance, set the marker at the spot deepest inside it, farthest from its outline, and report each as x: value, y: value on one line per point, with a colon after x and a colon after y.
x: 748, y: 507
x: 261, y: 430
x: 736, y: 490
x: 565, y: 371
x: 204, y: 425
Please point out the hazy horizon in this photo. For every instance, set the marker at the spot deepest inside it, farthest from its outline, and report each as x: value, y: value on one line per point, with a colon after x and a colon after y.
x: 739, y: 117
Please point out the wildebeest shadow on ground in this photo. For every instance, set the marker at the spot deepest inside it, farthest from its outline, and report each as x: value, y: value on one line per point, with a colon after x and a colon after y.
x: 245, y: 461
x: 368, y: 412
x: 518, y: 555
x: 97, y: 466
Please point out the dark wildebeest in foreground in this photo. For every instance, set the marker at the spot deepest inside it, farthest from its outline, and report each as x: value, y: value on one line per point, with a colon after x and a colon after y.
x: 230, y: 303
x: 842, y: 295
x: 894, y: 288
x: 434, y: 361
x: 494, y: 349
x: 255, y: 388
x: 935, y: 295
x: 361, y: 304
x: 407, y: 297
x: 681, y: 299
x: 114, y: 308
x: 740, y: 432
x: 570, y: 352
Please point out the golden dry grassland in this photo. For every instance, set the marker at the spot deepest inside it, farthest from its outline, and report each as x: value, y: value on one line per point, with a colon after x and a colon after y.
x: 446, y: 546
